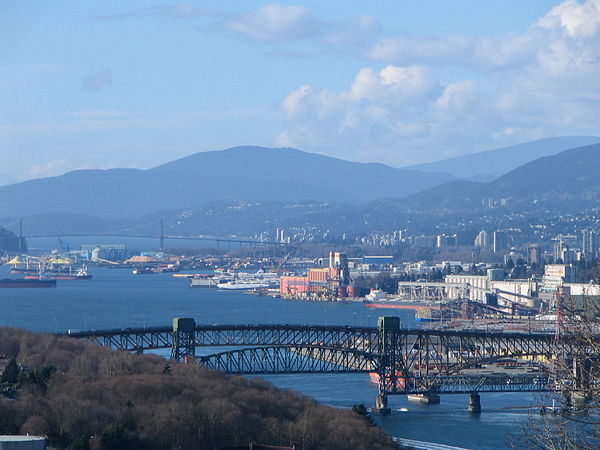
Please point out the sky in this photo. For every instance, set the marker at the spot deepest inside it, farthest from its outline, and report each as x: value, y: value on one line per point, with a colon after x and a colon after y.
x: 103, y: 84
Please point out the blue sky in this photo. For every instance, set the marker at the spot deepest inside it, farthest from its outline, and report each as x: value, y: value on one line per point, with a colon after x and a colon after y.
x: 101, y: 84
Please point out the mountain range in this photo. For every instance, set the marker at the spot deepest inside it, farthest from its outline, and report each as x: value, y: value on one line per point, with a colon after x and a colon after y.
x: 567, y: 181
x: 219, y: 188
x: 239, y: 173
x: 484, y: 166
x: 547, y: 187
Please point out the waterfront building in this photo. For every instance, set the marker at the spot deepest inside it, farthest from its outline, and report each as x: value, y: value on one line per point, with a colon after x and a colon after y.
x: 479, y: 284
x: 582, y: 295
x: 332, y: 280
x: 110, y: 252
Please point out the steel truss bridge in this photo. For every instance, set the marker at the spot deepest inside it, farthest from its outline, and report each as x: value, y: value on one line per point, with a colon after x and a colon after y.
x: 406, y: 361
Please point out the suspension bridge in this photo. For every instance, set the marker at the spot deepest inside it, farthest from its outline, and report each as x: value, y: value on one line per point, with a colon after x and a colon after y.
x: 160, y: 236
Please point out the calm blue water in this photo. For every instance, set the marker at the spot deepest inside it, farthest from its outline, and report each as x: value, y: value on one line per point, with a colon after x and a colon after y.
x: 118, y: 299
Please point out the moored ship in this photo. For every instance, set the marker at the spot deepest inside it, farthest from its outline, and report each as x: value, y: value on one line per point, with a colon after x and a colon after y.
x: 245, y: 285
x: 81, y: 274
x: 247, y: 282
x: 206, y: 281
x: 25, y: 283
x: 375, y: 378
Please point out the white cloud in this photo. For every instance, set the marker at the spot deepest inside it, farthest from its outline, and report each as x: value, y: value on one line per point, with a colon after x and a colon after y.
x: 59, y: 167
x: 49, y: 169
x: 277, y: 23
x: 177, y: 11
x: 578, y: 19
x: 431, y: 49
x: 519, y: 86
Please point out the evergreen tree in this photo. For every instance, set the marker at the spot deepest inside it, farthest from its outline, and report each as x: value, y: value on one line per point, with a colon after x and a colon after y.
x: 10, y: 373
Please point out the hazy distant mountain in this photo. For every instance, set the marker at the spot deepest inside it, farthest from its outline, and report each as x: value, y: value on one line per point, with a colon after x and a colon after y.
x: 240, y: 173
x: 484, y: 166
x: 567, y: 181
x: 548, y: 187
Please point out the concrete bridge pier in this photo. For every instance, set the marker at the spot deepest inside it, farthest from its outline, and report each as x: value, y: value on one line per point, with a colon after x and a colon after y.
x: 474, y: 405
x: 381, y: 405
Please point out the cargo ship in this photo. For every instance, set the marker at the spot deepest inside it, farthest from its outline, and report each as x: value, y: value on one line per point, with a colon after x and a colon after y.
x: 24, y: 283
x: 400, y: 384
x: 24, y: 270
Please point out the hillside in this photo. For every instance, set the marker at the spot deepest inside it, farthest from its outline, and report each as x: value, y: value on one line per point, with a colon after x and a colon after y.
x: 557, y: 185
x: 568, y: 180
x: 497, y: 162
x: 251, y: 174
x: 84, y: 396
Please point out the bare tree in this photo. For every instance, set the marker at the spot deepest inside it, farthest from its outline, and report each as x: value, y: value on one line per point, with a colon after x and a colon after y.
x: 569, y: 416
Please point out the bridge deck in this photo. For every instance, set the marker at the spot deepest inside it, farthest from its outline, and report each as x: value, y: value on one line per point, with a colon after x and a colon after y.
x: 422, y: 359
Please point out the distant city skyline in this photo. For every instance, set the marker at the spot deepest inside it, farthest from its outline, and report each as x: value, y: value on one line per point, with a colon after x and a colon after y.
x: 136, y: 84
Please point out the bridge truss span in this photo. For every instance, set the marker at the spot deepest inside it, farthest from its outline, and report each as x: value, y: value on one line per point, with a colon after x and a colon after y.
x: 406, y: 361
x: 289, y: 360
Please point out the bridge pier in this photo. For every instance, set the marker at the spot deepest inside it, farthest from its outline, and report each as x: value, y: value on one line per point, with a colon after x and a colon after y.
x: 184, y: 339
x: 381, y: 405
x: 474, y: 405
